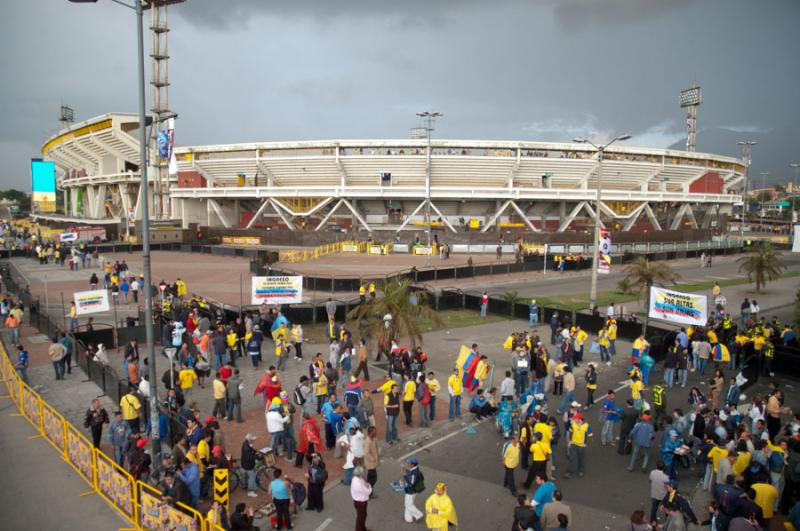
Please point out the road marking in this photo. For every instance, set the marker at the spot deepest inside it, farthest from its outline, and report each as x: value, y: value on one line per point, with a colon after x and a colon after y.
x: 722, y: 278
x: 324, y: 524
x: 437, y: 441
x: 625, y: 384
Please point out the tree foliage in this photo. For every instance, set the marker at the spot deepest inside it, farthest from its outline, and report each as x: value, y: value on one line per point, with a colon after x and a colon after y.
x: 763, y: 264
x: 22, y: 199
x: 406, y: 316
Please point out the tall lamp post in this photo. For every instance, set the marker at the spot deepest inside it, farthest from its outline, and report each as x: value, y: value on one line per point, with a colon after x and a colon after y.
x: 761, y: 202
x: 138, y: 8
x: 596, y: 247
x: 747, y: 146
x: 796, y: 167
x: 430, y: 119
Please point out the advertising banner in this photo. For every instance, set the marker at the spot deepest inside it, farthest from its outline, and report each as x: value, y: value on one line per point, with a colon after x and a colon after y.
x: 796, y: 242
x: 423, y: 249
x: 92, y: 301
x: 66, y: 237
x: 350, y: 248
x: 677, y: 307
x: 375, y: 249
x: 277, y: 290
x: 604, y: 252
x: 43, y: 185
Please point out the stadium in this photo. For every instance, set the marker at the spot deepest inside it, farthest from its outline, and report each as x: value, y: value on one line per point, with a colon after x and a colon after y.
x: 465, y: 186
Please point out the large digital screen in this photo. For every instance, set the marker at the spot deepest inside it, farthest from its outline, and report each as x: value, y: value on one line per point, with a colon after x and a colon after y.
x: 43, y: 178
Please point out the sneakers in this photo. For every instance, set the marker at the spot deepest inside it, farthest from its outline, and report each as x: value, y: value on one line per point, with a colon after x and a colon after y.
x: 251, y: 494
x: 608, y: 363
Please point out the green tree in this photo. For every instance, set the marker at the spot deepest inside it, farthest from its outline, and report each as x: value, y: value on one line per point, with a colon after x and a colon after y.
x: 406, y: 315
x: 763, y: 264
x: 643, y: 275
x: 512, y: 298
x: 624, y: 286
x: 22, y: 199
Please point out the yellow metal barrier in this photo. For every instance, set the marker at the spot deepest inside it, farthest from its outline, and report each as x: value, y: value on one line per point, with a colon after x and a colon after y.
x: 304, y: 255
x: 80, y: 454
x: 53, y: 428
x: 138, y: 502
x: 115, y: 485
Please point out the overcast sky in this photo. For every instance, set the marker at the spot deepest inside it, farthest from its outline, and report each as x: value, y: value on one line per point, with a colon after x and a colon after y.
x: 260, y: 70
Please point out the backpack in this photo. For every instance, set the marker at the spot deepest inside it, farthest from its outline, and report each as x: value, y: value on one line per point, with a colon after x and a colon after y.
x: 426, y: 395
x: 322, y: 475
x: 298, y: 397
x: 419, y: 486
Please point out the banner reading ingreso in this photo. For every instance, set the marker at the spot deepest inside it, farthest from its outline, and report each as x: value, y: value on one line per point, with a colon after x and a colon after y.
x: 678, y: 307
x: 91, y: 301
x: 277, y: 290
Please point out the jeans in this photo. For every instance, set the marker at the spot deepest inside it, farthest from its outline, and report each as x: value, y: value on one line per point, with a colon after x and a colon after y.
x: 23, y: 373
x: 508, y: 480
x: 455, y: 406
x: 520, y: 381
x: 58, y: 366
x: 533, y: 319
x: 701, y: 364
x: 251, y: 480
x: 235, y: 405
x: 637, y: 452
x: 119, y: 456
x: 646, y: 376
x: 682, y: 375
x: 433, y: 407
x: 569, y: 396
x: 282, y: 362
x: 424, y: 415
x: 219, y: 361
x: 253, y: 358
x: 612, y: 350
x: 577, y: 456
x: 607, y: 435
x: 348, y: 476
x: 483, y: 309
x: 604, y: 355
x: 391, y: 428
x: 669, y: 376
x: 538, y: 385
x: 277, y: 440
x: 124, y: 297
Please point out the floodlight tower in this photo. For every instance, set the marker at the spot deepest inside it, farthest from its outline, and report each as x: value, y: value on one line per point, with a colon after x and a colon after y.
x: 691, y: 98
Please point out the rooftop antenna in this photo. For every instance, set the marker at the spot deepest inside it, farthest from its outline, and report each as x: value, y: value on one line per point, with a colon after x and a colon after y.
x: 66, y: 115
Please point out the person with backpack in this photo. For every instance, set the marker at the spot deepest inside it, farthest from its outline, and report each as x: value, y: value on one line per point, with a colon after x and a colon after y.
x: 423, y: 395
x: 301, y: 393
x: 413, y: 484
x: 317, y: 475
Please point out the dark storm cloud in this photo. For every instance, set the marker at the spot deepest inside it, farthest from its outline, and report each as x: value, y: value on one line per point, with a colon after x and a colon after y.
x: 260, y: 70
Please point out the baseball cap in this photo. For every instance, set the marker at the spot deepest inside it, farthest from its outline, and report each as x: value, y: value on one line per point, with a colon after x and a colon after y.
x: 575, y: 404
x: 141, y: 443
x: 413, y: 460
x: 577, y: 416
x: 210, y: 419
x: 250, y: 437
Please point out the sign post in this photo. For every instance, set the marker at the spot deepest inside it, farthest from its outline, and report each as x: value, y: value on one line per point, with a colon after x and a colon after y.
x: 221, y: 490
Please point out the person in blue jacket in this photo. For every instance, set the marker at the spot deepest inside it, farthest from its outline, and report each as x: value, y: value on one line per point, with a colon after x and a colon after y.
x: 668, y: 447
x: 190, y: 475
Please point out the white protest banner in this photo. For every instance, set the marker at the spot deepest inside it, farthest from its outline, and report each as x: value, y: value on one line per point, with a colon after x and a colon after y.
x: 92, y: 301
x: 678, y: 307
x: 277, y: 290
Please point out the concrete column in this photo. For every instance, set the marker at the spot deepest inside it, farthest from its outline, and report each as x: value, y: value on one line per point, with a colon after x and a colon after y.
x: 236, y: 213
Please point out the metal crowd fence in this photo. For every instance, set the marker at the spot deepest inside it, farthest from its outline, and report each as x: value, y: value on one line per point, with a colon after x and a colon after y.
x: 138, y: 503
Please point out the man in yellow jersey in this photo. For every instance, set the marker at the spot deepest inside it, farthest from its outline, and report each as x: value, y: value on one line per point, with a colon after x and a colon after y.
x: 510, y: 459
x: 454, y: 389
x: 578, y: 434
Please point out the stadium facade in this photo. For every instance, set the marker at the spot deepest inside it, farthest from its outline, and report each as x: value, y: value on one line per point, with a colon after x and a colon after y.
x: 393, y: 184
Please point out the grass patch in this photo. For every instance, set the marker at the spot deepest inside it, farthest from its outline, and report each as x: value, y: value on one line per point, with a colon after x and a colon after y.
x: 581, y: 302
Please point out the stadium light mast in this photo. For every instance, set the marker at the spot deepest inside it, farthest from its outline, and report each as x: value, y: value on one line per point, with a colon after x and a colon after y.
x: 796, y: 167
x: 138, y: 7
x: 596, y: 247
x: 429, y: 118
x: 691, y: 98
x: 747, y: 146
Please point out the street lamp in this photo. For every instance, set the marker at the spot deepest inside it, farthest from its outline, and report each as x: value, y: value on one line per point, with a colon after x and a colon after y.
x: 596, y: 247
x: 796, y: 166
x: 138, y: 7
x: 747, y: 145
x: 429, y: 118
x: 763, y: 191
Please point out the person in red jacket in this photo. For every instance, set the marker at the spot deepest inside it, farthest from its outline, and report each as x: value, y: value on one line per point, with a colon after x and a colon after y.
x: 310, y: 440
x: 269, y: 384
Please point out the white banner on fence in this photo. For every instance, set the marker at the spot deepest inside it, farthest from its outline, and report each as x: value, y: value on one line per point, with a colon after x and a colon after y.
x: 796, y: 243
x: 277, y: 290
x: 678, y: 307
x: 92, y: 301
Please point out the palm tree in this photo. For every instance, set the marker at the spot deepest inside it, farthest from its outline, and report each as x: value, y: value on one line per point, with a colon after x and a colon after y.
x: 512, y: 298
x: 624, y: 286
x: 763, y: 264
x: 406, y: 314
x: 643, y: 275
